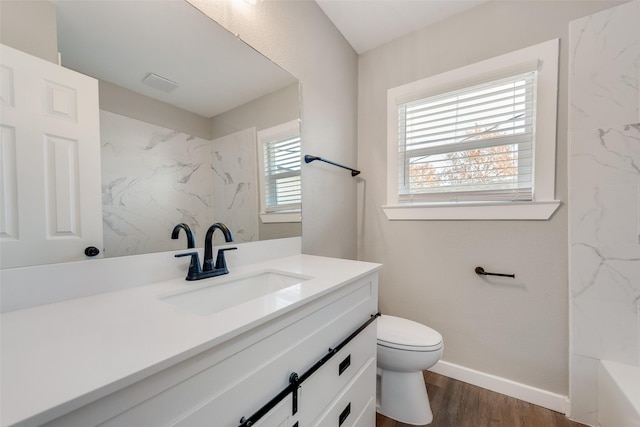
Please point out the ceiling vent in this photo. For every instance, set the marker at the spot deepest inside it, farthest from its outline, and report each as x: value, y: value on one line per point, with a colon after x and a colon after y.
x: 160, y: 83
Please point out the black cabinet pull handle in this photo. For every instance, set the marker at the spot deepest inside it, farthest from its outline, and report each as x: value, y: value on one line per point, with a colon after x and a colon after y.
x: 344, y: 414
x: 344, y: 365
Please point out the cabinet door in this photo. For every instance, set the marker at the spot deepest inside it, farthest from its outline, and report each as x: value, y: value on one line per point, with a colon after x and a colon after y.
x: 50, y: 194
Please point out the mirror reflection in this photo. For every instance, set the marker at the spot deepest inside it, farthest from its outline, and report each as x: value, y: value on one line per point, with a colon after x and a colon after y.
x: 182, y: 105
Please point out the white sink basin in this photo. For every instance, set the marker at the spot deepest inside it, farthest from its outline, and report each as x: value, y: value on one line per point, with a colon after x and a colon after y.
x: 221, y: 293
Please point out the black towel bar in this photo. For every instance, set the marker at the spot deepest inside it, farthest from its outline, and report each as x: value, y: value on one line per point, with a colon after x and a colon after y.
x: 309, y: 159
x: 480, y: 271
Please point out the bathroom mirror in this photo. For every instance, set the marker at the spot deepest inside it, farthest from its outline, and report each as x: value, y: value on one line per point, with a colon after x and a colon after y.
x: 181, y: 100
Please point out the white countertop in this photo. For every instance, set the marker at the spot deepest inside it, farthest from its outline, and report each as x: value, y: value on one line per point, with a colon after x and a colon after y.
x: 58, y: 357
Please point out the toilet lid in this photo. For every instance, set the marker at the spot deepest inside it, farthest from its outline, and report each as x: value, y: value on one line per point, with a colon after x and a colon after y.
x: 406, y: 334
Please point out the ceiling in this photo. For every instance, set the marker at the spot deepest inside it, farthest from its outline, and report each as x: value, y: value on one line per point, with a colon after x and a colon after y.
x: 367, y: 24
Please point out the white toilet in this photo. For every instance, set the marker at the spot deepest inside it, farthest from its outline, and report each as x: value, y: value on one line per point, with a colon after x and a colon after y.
x: 405, y: 349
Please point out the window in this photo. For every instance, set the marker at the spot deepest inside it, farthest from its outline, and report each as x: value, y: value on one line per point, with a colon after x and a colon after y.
x: 477, y: 142
x: 470, y: 144
x: 280, y: 191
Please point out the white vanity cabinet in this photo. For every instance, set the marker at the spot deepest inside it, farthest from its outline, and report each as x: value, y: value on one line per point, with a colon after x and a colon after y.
x: 221, y: 385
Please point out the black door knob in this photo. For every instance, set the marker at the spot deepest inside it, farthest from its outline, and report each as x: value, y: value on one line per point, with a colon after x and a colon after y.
x: 91, y: 251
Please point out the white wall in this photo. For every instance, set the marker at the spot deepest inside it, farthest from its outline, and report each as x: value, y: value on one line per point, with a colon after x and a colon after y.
x: 125, y: 102
x: 269, y: 110
x: 30, y: 26
x: 512, y: 328
x: 298, y: 36
x: 604, y: 199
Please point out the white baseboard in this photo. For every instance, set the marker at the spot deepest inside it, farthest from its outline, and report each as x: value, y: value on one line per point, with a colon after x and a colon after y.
x: 537, y: 396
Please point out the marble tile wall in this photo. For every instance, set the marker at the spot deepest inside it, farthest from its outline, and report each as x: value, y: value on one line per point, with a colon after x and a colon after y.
x: 154, y: 178
x: 604, y: 199
x: 235, y: 184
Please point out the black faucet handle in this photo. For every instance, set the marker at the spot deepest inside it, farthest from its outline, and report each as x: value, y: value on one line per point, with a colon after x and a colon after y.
x: 194, y: 265
x: 221, y: 262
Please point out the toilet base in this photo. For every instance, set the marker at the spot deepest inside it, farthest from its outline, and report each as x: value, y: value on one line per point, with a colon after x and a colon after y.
x: 403, y: 397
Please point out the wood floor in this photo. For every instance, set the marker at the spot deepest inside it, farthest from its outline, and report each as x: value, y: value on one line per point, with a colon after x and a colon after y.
x: 458, y: 404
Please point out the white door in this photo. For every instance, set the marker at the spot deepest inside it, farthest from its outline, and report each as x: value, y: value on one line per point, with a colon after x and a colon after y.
x: 50, y: 194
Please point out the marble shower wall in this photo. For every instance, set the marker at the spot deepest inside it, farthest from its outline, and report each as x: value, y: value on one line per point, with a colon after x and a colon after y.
x: 604, y: 199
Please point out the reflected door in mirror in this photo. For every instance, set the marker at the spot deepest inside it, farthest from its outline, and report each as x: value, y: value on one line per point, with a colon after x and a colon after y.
x: 50, y: 166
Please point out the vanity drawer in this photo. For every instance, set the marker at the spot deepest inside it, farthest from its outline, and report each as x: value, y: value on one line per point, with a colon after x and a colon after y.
x: 316, y: 393
x: 355, y: 404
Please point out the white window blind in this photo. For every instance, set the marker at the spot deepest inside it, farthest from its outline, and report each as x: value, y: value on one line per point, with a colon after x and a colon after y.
x: 470, y: 144
x: 282, y: 191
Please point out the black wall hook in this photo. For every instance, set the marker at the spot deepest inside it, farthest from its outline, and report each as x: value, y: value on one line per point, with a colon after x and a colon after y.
x: 309, y: 159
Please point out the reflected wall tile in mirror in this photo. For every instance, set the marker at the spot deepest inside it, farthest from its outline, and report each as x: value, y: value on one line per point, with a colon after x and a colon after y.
x: 150, y: 182
x: 235, y: 184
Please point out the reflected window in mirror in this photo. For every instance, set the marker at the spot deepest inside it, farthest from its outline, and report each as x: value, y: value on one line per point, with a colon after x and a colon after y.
x: 280, y: 190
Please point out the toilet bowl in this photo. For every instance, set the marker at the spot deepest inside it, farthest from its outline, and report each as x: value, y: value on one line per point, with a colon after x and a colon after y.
x: 405, y: 348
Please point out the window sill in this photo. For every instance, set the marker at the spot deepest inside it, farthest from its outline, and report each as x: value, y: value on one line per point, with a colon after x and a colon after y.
x: 472, y: 211
x: 268, y: 218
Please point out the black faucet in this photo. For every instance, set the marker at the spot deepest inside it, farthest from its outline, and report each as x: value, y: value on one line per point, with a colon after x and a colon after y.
x: 209, y: 269
x: 207, y: 263
x: 190, y: 240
